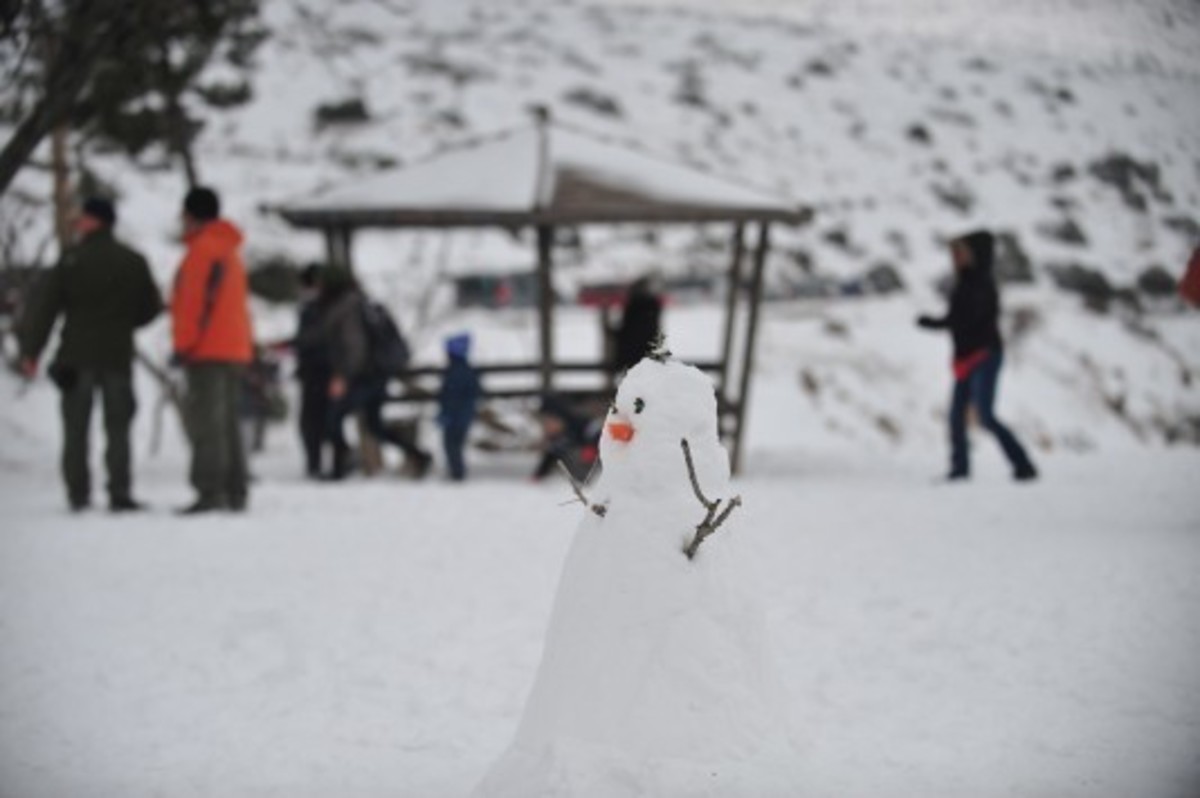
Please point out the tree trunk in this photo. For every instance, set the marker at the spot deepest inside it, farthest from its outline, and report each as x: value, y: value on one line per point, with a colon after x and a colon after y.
x: 177, y: 121
x: 71, y: 59
x: 63, y: 199
x: 50, y: 110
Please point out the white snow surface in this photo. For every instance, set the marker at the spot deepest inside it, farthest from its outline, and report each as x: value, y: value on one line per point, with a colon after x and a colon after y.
x: 380, y: 638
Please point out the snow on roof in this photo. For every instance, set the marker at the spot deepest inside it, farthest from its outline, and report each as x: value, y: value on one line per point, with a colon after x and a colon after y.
x: 548, y: 173
x: 497, y: 175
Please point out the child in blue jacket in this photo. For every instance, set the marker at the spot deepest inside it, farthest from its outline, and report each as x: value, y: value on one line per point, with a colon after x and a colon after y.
x: 457, y: 402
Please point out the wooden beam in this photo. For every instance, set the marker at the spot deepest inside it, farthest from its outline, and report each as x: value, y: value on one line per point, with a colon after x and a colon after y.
x: 545, y: 265
x: 743, y: 398
x: 735, y: 283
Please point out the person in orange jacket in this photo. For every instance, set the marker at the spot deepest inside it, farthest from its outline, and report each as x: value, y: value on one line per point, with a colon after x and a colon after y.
x: 213, y: 341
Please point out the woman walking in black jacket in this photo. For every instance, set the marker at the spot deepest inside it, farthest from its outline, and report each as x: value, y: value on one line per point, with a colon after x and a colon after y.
x: 978, y: 354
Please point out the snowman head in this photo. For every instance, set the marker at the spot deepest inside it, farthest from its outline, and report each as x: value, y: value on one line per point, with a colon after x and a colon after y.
x: 658, y: 404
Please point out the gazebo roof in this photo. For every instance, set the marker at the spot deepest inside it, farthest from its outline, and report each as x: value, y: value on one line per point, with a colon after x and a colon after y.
x: 542, y: 174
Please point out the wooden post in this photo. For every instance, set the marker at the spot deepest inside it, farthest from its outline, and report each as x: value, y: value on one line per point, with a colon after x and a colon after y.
x: 339, y: 247
x: 331, y: 245
x: 743, y: 398
x: 545, y: 264
x: 348, y: 248
x: 735, y: 283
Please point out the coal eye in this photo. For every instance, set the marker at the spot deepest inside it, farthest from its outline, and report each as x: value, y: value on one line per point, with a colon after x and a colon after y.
x: 638, y: 405
x: 612, y: 406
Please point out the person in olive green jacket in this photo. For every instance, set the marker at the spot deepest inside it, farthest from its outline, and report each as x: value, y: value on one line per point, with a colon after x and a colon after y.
x: 104, y: 291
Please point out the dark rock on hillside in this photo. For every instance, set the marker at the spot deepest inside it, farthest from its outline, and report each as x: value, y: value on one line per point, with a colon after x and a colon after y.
x: 1186, y: 226
x: 883, y: 278
x: 1090, y: 283
x: 1134, y: 179
x: 1012, y: 262
x: 899, y: 243
x: 434, y: 63
x: 691, y: 90
x: 1157, y: 282
x: 820, y: 68
x: 802, y: 259
x: 1063, y: 173
x: 954, y: 195
x: 840, y: 238
x: 919, y: 134
x: 1065, y: 231
x: 351, y: 111
x: 599, y: 102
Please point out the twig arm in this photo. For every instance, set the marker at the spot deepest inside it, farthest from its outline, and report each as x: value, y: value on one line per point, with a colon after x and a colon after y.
x: 691, y: 467
x: 714, y: 516
x: 598, y: 509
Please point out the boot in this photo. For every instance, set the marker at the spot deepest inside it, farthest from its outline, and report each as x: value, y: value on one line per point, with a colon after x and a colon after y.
x: 204, y: 504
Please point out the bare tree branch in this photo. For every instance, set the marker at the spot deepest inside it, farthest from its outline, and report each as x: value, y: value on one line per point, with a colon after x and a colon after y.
x: 714, y: 516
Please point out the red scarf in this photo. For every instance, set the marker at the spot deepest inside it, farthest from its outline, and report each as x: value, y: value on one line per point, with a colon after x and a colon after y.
x: 963, y: 366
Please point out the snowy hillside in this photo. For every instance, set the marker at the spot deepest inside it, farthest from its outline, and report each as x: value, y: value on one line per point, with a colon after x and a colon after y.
x: 1068, y: 128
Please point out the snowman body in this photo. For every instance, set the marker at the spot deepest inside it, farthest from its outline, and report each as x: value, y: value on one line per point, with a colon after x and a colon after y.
x: 655, y: 677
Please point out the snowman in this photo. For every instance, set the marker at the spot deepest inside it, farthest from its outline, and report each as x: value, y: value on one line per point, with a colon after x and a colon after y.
x: 655, y: 677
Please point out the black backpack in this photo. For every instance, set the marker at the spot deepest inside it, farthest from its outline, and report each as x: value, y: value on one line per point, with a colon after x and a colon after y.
x: 388, y: 351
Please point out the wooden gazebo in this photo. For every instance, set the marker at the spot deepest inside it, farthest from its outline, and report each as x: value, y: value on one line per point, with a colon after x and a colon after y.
x: 549, y: 175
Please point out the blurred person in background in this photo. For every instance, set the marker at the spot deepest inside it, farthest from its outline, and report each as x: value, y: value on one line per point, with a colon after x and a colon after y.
x: 641, y: 320
x: 103, y: 290
x: 569, y: 436
x: 313, y: 371
x: 457, y: 403
x: 214, y: 343
x: 355, y: 383
x: 973, y: 322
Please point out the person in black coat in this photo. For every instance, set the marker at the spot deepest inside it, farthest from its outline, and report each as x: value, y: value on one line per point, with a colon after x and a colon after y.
x: 103, y: 292
x: 972, y: 320
x: 313, y: 371
x: 640, y: 323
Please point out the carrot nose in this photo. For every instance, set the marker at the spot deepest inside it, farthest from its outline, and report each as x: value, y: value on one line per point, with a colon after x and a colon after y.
x: 621, y: 431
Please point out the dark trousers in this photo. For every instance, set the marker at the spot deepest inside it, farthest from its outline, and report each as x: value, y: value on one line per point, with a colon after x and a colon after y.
x: 79, y: 388
x: 979, y: 389
x: 314, y: 420
x: 218, y: 471
x: 366, y: 395
x: 454, y: 441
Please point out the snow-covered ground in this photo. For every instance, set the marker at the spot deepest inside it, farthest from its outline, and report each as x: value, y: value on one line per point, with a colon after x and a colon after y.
x: 378, y: 638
